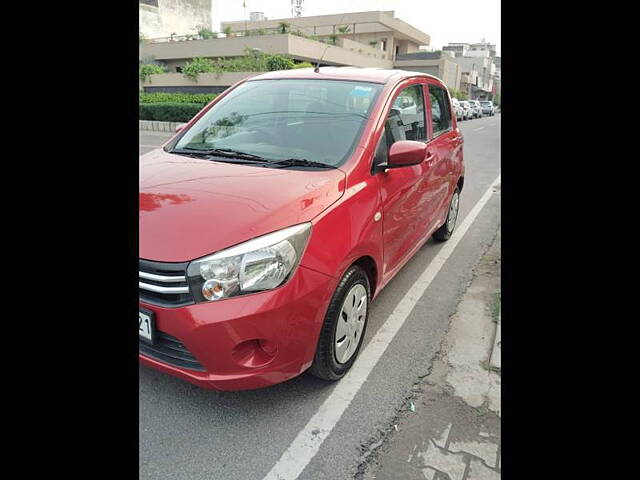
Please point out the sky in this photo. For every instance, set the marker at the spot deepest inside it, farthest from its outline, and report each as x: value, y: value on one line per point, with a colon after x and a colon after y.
x: 444, y: 20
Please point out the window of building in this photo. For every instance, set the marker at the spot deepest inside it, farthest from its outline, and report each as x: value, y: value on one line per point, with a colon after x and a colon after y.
x: 440, y: 110
x: 384, y: 44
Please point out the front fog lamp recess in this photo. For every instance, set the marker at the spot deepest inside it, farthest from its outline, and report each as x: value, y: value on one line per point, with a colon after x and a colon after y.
x: 263, y: 263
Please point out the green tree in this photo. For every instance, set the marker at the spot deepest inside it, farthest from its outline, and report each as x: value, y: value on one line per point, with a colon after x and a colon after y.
x: 284, y: 27
x: 228, y: 31
x: 458, y: 94
x: 344, y: 29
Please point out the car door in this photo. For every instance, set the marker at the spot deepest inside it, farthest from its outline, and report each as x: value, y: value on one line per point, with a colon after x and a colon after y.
x: 403, y: 191
x: 444, y: 144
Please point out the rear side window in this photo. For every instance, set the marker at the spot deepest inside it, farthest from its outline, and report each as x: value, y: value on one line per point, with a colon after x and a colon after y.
x: 440, y: 110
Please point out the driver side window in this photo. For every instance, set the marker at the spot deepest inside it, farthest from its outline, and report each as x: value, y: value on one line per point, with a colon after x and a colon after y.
x: 406, y: 121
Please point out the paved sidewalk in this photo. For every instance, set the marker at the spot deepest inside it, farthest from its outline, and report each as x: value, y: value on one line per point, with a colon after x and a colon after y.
x: 450, y: 428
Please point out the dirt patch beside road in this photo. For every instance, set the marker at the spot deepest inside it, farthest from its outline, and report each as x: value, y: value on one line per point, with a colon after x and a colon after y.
x: 450, y: 428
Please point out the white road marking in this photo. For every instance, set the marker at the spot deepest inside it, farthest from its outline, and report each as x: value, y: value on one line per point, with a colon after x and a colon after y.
x: 305, y: 446
x: 476, y: 129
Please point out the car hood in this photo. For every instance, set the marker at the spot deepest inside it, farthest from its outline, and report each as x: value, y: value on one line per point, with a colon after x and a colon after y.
x: 193, y: 207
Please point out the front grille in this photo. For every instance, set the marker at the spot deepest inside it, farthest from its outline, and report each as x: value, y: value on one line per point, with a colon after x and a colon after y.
x: 163, y: 284
x: 169, y: 350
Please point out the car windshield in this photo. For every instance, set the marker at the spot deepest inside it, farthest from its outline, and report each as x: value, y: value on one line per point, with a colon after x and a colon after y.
x: 486, y: 104
x: 315, y: 120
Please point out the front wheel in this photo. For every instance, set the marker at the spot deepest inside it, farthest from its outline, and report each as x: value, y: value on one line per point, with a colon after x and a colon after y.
x: 344, y: 326
x: 445, y: 231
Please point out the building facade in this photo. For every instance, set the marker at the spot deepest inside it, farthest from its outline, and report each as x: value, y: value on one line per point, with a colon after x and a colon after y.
x: 434, y: 63
x: 374, y: 30
x: 360, y: 39
x: 162, y: 18
x: 477, y: 65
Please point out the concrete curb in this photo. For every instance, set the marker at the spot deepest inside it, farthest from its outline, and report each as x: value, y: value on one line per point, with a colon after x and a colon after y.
x: 154, y: 126
x: 496, y: 358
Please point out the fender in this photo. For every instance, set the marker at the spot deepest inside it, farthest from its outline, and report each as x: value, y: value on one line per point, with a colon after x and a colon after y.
x: 346, y: 231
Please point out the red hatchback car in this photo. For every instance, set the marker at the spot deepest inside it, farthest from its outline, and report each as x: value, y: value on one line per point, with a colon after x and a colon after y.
x: 271, y: 221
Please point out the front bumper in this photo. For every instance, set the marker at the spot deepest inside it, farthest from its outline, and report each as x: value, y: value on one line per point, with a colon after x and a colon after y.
x: 251, y: 341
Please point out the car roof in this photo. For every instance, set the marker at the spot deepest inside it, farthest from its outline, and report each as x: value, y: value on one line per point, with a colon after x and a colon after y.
x: 373, y: 75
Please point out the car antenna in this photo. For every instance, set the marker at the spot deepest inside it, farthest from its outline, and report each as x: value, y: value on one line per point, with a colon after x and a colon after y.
x: 317, y: 68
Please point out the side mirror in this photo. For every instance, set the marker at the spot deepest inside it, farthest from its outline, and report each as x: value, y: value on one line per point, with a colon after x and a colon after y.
x: 405, y: 153
x: 180, y: 127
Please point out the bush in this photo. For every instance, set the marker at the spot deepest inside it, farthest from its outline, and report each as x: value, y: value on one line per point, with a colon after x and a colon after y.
x: 251, y: 61
x: 161, y: 97
x: 169, y: 111
x: 205, y: 33
x: 197, y: 66
x: 147, y: 69
x: 279, y: 62
x: 304, y: 65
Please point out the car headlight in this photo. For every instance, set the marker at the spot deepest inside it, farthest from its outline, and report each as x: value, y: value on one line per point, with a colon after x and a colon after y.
x: 263, y: 263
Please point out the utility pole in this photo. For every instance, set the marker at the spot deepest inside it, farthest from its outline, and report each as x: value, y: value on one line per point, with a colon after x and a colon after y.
x: 296, y: 8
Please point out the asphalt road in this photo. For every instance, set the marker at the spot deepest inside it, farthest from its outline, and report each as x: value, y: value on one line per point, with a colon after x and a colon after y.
x: 189, y: 433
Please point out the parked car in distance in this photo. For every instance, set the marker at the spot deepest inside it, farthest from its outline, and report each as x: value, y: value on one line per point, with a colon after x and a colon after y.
x: 467, y: 110
x: 487, y: 107
x: 459, y: 111
x: 406, y: 105
x: 270, y: 222
x: 477, y: 109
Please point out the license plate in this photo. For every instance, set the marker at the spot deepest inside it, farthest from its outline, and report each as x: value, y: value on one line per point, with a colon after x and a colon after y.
x: 146, y: 327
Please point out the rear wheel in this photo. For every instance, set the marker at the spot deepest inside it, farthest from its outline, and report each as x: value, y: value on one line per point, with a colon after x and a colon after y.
x: 445, y: 231
x: 344, y: 326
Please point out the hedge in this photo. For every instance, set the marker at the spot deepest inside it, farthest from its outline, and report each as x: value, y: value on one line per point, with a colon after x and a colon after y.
x: 160, y: 97
x: 169, y: 111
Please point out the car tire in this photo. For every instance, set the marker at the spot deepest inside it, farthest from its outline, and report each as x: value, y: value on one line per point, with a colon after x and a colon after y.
x: 444, y: 232
x: 326, y: 364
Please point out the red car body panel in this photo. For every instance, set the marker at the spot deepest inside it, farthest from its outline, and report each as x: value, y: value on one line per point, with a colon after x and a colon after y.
x: 222, y: 338
x: 185, y: 204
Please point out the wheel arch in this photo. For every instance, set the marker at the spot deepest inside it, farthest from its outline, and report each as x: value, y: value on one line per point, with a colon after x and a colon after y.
x: 368, y: 264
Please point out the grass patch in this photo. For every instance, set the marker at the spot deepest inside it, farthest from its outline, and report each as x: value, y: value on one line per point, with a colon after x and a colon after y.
x: 496, y: 305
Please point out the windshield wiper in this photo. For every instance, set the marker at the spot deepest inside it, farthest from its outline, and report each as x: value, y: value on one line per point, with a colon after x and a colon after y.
x: 251, y: 158
x: 222, y: 152
x: 300, y: 162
